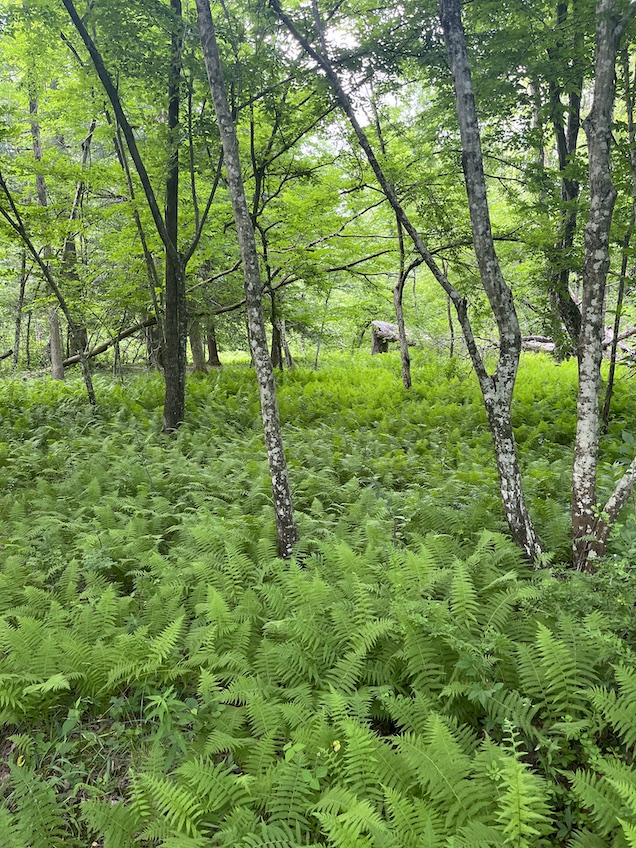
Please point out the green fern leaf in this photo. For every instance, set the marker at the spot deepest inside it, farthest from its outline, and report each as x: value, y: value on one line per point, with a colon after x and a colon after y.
x: 115, y: 823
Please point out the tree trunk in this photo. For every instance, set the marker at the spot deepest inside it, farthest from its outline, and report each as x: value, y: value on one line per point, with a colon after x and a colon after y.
x: 398, y: 293
x: 496, y: 389
x: 18, y: 225
x: 378, y: 344
x: 629, y: 106
x: 196, y: 346
x: 289, y: 362
x: 24, y: 276
x: 154, y: 347
x: 277, y: 347
x: 564, y: 307
x: 285, y: 523
x: 588, y: 544
x: 213, y: 350
x: 176, y: 331
x: 55, y: 344
x: 28, y: 339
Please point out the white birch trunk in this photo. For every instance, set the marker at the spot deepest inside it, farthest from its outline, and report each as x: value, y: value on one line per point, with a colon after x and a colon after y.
x: 588, y: 534
x: 497, y: 388
x: 285, y: 522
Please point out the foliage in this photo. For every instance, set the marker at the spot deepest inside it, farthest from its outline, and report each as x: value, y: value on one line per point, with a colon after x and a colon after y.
x: 407, y: 680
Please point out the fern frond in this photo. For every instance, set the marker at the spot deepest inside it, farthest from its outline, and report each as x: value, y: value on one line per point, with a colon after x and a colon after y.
x: 291, y: 795
x: 619, y: 710
x: 216, y: 785
x: 462, y: 596
x: 42, y: 823
x: 115, y: 823
x: 600, y: 798
x: 413, y: 822
x: 179, y: 807
x: 523, y: 808
x: 586, y: 839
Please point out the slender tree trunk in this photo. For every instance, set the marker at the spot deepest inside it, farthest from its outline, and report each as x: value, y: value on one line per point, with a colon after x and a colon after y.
x: 591, y: 525
x: 564, y: 307
x: 213, y: 349
x: 28, y: 338
x: 496, y: 389
x: 55, y: 344
x: 154, y: 347
x: 285, y: 523
x: 629, y: 106
x: 451, y: 327
x: 289, y: 362
x: 176, y: 331
x: 322, y: 330
x: 398, y: 293
x: 277, y: 347
x: 597, y: 259
x: 24, y: 276
x: 55, y: 333
x: 588, y: 530
x: 196, y: 346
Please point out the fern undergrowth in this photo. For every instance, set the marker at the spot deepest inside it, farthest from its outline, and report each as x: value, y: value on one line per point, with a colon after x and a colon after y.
x: 405, y: 681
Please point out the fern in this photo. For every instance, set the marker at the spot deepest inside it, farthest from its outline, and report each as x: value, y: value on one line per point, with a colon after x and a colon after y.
x: 41, y: 822
x: 523, y: 804
x: 619, y: 710
x: 157, y: 797
x: 115, y: 822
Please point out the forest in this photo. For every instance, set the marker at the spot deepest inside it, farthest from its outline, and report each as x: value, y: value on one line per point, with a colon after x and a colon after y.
x: 317, y: 447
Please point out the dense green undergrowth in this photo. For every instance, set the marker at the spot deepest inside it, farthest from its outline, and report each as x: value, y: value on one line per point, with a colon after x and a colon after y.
x: 406, y: 681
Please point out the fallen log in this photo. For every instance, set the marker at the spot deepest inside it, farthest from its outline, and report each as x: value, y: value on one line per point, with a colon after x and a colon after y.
x: 544, y: 344
x: 624, y: 334
x: 537, y: 346
x: 6, y: 355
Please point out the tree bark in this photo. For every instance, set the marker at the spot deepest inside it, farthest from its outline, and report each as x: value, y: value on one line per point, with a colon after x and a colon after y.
x: 277, y: 347
x: 289, y: 361
x: 285, y: 522
x: 24, y: 276
x: 55, y: 344
x: 398, y: 294
x: 213, y: 349
x: 196, y: 346
x: 175, y: 325
x: 564, y: 307
x: 496, y: 389
x: 629, y: 107
x: 589, y: 536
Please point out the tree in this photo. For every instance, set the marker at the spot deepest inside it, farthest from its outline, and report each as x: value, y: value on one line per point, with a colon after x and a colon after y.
x: 497, y: 387
x: 285, y: 522
x: 175, y: 332
x: 590, y: 525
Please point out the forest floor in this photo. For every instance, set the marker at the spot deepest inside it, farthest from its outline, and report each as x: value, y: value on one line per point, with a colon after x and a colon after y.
x: 406, y: 680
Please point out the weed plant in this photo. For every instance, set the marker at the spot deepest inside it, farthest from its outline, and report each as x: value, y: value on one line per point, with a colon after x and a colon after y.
x: 405, y: 681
